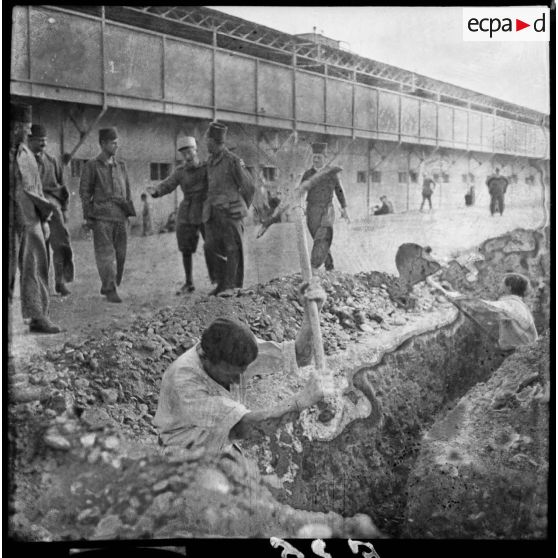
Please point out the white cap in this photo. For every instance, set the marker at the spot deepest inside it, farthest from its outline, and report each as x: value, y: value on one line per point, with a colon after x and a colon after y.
x: 188, y: 141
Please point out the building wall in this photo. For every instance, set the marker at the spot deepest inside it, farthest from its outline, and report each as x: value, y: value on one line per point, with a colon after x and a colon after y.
x: 147, y: 138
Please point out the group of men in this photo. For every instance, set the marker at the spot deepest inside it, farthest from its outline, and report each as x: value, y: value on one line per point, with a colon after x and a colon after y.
x: 37, y: 207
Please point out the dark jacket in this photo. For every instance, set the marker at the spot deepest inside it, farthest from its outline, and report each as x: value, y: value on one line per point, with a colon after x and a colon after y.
x: 52, y: 179
x: 101, y: 185
x: 226, y: 178
x: 193, y: 183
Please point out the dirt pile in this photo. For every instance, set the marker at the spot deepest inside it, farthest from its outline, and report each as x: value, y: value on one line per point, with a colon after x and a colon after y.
x: 483, y: 468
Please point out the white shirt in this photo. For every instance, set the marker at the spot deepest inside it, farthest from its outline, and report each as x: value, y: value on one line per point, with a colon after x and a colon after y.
x: 194, y: 410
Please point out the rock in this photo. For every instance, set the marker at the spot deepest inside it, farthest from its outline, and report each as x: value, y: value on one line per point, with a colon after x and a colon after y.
x: 109, y: 395
x: 96, y: 419
x: 212, y: 479
x: 81, y: 383
x: 107, y: 528
x: 56, y: 441
x: 148, y: 345
x: 160, y: 486
x: 28, y: 394
x: 111, y: 442
x: 88, y: 440
x: 94, y: 364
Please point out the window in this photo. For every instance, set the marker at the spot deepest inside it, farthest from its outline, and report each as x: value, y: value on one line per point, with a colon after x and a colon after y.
x: 436, y: 177
x: 361, y: 176
x: 159, y: 171
x: 445, y: 177
x: 402, y: 177
x: 414, y: 176
x: 77, y: 167
x: 376, y: 176
x: 270, y: 173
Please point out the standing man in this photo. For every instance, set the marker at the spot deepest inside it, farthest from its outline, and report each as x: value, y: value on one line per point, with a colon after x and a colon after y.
x: 428, y: 186
x: 57, y: 194
x: 192, y: 179
x: 29, y: 230
x: 106, y: 200
x: 320, y: 214
x: 229, y: 195
x: 145, y: 216
x: 497, y: 186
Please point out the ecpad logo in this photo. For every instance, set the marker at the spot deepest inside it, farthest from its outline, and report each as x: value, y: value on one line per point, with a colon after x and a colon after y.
x: 506, y: 24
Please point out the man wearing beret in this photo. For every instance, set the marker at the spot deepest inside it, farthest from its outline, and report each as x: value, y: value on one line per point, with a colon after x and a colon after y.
x: 29, y: 213
x: 106, y: 200
x: 192, y: 179
x: 230, y: 193
x: 56, y: 193
x: 196, y: 409
x: 320, y: 214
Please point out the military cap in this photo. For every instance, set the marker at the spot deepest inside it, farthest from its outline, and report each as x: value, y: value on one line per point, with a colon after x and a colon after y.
x: 186, y: 142
x: 20, y: 113
x: 38, y: 131
x: 229, y: 341
x: 217, y: 131
x: 319, y: 148
x: 108, y: 134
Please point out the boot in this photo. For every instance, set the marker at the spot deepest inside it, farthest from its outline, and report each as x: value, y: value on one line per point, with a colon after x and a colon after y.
x: 112, y: 296
x: 188, y: 287
x: 61, y: 289
x: 43, y: 325
x: 185, y: 289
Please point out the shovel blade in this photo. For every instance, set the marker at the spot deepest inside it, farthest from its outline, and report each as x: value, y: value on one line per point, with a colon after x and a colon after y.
x: 414, y: 263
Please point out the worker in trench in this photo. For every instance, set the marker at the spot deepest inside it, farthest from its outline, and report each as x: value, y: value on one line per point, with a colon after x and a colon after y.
x: 196, y: 409
x: 509, y: 314
x: 320, y: 214
x: 192, y: 179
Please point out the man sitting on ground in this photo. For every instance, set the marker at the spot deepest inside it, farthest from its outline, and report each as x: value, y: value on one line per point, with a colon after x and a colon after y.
x: 385, y: 208
x: 196, y: 409
x: 516, y: 326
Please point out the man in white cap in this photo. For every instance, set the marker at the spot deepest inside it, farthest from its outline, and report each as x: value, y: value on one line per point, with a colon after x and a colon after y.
x: 192, y: 179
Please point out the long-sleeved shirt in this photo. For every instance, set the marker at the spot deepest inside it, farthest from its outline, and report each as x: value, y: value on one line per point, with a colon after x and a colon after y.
x: 52, y: 179
x: 30, y: 203
x: 193, y: 183
x: 497, y: 185
x: 322, y: 193
x: 194, y: 410
x: 103, y: 180
x: 225, y: 177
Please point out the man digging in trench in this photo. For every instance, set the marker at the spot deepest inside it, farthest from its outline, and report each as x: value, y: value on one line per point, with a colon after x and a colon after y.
x: 196, y: 409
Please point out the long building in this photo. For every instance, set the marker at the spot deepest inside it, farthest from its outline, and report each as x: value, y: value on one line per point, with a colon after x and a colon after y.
x: 158, y: 73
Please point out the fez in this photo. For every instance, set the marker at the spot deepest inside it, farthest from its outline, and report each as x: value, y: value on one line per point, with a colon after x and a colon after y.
x: 186, y: 142
x: 107, y: 134
x: 229, y: 341
x: 217, y: 131
x: 38, y: 131
x: 20, y: 113
x: 319, y: 148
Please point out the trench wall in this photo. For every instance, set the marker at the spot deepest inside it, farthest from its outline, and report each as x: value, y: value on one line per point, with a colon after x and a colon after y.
x: 364, y: 469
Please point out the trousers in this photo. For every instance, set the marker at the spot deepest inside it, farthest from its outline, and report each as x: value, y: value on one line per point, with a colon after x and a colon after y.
x: 322, y: 236
x: 33, y: 272
x: 62, y: 257
x: 497, y: 203
x: 110, y: 241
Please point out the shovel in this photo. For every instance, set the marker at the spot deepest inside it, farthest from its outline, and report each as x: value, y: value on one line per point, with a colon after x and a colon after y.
x: 414, y: 264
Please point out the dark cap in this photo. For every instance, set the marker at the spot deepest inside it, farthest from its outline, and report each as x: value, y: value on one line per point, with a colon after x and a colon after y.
x: 229, y: 341
x: 20, y: 113
x: 108, y: 134
x: 38, y: 131
x: 319, y: 148
x: 217, y: 131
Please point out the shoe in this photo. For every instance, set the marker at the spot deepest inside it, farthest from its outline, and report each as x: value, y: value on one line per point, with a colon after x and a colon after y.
x: 213, y: 292
x: 61, y: 289
x: 43, y: 325
x: 186, y: 289
x: 227, y: 293
x: 112, y: 296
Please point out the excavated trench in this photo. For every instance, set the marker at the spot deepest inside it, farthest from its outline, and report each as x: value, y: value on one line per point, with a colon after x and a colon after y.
x: 366, y: 467
x: 395, y: 384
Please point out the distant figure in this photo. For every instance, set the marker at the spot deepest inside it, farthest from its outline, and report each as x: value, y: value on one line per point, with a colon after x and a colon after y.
x: 385, y: 208
x: 470, y: 197
x: 428, y: 185
x: 170, y: 225
x: 320, y: 214
x: 497, y: 186
x: 145, y: 216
